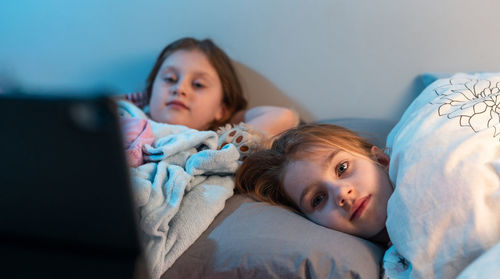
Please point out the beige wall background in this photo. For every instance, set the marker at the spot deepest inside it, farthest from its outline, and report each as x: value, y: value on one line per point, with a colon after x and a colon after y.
x: 325, y: 58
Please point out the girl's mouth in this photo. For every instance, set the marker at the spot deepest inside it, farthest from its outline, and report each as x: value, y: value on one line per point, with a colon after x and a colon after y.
x: 177, y: 104
x: 359, y: 207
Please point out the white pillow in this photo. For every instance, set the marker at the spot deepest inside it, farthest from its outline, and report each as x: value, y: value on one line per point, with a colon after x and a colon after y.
x: 445, y: 165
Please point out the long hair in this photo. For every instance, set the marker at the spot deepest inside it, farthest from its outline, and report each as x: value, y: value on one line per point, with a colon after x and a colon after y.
x: 261, y: 174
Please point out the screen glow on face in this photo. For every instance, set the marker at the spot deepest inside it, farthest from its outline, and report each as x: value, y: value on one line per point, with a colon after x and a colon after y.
x: 187, y: 91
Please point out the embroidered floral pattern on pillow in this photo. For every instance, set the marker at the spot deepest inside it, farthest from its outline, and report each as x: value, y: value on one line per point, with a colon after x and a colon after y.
x: 475, y: 101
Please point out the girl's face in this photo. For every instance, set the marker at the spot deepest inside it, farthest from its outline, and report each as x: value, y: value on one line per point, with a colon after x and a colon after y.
x: 187, y: 91
x: 341, y: 191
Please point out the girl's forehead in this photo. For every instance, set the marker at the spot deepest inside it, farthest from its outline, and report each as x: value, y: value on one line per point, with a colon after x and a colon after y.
x: 316, y: 151
x: 188, y: 59
x: 321, y: 152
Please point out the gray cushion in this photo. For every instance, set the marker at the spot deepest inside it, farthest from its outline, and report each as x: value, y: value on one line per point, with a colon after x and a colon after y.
x: 255, y: 240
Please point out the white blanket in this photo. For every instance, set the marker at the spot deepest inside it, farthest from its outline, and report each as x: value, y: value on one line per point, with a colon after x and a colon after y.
x: 180, y: 193
x: 445, y: 162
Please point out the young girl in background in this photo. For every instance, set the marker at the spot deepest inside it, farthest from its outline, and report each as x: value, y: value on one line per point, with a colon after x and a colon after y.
x: 326, y: 173
x: 194, y: 84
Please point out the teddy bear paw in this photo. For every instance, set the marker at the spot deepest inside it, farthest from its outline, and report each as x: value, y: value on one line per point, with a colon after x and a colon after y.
x: 243, y: 137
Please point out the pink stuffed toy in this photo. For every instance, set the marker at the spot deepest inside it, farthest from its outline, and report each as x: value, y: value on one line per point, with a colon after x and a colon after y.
x: 136, y: 133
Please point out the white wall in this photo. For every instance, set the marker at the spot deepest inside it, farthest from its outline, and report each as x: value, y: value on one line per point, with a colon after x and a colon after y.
x: 326, y: 58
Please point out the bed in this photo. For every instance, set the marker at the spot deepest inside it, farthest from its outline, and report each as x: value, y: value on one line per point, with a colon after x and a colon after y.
x: 443, y: 217
x: 451, y: 127
x: 204, y: 231
x: 251, y: 239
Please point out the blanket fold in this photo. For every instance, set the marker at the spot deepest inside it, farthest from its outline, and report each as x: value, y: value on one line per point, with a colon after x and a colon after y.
x: 181, y: 190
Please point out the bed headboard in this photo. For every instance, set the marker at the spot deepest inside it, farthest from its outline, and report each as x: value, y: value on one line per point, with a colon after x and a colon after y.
x: 326, y: 58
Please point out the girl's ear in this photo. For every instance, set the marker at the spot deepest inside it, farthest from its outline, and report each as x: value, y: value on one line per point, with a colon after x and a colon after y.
x: 380, y: 157
x: 221, y: 112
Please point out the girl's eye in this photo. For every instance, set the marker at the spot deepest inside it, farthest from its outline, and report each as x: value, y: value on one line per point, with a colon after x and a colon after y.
x: 341, y: 168
x: 170, y: 79
x: 198, y: 84
x: 316, y: 201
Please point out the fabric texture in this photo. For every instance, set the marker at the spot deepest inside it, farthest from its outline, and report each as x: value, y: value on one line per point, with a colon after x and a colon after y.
x: 181, y: 190
x: 445, y: 163
x: 394, y: 265
x: 250, y: 239
x: 486, y: 266
x: 430, y: 77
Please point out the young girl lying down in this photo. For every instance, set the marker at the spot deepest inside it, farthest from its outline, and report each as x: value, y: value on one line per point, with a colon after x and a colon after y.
x: 194, y: 84
x: 326, y: 173
x: 437, y: 195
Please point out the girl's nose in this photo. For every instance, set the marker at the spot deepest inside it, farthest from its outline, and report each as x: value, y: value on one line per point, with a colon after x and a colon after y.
x: 179, y: 88
x: 344, y: 196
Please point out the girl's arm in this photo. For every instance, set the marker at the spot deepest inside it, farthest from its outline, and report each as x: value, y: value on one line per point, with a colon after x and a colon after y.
x: 268, y: 119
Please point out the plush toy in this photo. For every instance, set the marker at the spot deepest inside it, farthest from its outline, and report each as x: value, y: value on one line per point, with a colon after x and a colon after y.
x: 244, y: 137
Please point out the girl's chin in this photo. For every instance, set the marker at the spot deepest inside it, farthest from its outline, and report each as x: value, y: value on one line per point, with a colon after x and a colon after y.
x: 173, y: 118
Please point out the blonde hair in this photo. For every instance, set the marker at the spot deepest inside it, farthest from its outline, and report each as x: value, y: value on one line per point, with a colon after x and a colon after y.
x: 261, y: 174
